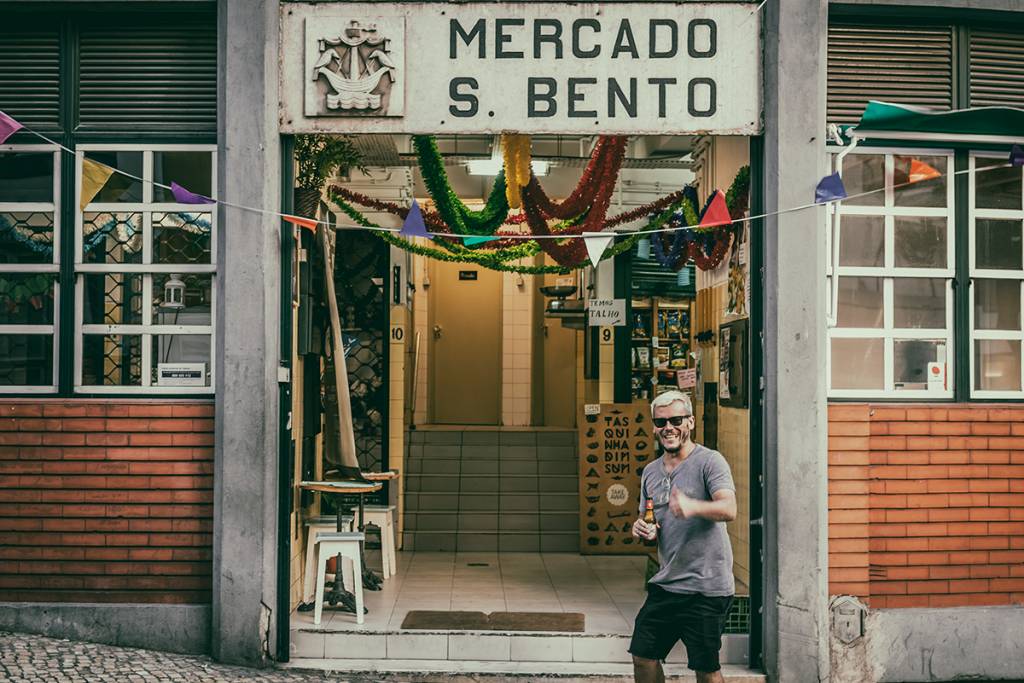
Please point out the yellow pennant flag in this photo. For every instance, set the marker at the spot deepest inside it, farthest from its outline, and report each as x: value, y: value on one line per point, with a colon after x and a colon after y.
x: 94, y: 177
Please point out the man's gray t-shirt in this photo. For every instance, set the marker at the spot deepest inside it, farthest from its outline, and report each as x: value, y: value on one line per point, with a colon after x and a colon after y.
x: 695, y: 553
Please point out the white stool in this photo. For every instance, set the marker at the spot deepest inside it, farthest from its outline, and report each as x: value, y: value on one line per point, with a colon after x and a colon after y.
x: 320, y: 523
x: 346, y: 544
x: 383, y: 516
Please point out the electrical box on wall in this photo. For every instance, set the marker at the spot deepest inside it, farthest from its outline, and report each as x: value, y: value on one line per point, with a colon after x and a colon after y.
x: 732, y: 364
x: 848, y: 618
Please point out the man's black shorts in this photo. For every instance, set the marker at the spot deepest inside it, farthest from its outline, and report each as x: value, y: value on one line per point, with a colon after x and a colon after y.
x: 697, y: 620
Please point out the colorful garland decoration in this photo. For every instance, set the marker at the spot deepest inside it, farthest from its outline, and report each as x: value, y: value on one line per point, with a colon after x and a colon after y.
x: 516, y: 150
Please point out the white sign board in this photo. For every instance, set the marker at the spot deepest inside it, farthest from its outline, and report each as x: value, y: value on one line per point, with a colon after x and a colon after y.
x: 181, y: 374
x: 610, y: 312
x: 686, y: 379
x: 537, y: 67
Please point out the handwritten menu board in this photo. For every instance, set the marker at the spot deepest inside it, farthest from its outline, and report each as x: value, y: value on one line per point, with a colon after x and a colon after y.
x: 616, y: 441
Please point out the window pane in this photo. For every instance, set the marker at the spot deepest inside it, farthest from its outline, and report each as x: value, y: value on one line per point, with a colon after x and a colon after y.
x: 26, y: 299
x: 26, y: 176
x: 112, y: 299
x: 999, y: 188
x: 191, y: 170
x: 862, y: 241
x: 181, y: 237
x: 112, y: 237
x: 26, y: 237
x: 996, y: 304
x: 864, y: 173
x: 911, y: 358
x: 919, y: 303
x: 119, y: 187
x: 860, y: 302
x: 26, y: 360
x: 997, y: 365
x: 857, y: 364
x: 997, y: 244
x: 197, y: 299
x: 190, y: 350
x: 111, y: 360
x: 930, y: 192
x: 920, y: 242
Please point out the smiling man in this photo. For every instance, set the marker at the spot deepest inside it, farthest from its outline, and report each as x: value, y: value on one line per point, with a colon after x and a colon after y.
x: 688, y: 599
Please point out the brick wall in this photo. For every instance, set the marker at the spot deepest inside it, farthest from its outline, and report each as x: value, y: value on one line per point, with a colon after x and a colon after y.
x: 106, y: 500
x: 926, y: 504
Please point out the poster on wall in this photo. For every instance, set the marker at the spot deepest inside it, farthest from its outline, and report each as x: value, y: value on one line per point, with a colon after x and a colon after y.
x: 723, y: 363
x: 616, y: 442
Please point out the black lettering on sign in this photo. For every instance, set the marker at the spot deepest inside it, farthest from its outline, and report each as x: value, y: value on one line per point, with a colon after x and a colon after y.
x: 547, y: 97
x: 467, y: 274
x: 711, y: 99
x: 615, y: 94
x: 673, y: 39
x: 691, y: 38
x: 661, y: 83
x: 458, y: 97
x: 478, y: 32
x: 577, y: 26
x: 501, y: 37
x: 624, y: 41
x: 575, y: 97
x: 540, y: 36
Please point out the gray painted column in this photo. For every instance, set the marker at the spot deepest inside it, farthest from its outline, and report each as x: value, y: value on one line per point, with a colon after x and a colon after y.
x: 245, y: 475
x: 796, y: 525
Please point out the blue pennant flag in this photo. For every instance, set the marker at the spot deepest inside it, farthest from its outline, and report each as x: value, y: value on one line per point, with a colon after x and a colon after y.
x: 413, y: 225
x: 1016, y: 156
x: 829, y: 189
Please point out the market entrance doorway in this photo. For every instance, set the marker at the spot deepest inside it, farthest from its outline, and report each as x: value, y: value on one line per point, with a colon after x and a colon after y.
x: 465, y: 344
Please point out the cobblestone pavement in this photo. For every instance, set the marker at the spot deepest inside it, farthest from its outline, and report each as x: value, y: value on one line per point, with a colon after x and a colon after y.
x: 35, y: 659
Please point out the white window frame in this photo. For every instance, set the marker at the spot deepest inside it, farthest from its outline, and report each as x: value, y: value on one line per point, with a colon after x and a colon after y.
x: 147, y: 268
x: 888, y: 272
x: 52, y: 207
x: 991, y: 274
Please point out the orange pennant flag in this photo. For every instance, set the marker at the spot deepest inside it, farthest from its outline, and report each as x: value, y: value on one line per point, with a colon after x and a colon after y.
x: 94, y: 177
x: 921, y: 171
x: 307, y: 223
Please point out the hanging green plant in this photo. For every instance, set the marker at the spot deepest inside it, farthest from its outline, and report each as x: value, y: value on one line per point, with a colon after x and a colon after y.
x: 317, y: 158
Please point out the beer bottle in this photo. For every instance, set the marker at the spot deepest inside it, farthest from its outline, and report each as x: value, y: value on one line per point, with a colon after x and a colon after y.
x: 649, y: 519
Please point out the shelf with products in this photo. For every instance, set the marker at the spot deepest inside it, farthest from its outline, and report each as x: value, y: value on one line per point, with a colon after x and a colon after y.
x: 661, y: 341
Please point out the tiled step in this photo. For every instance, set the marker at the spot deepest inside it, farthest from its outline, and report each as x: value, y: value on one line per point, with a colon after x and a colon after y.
x: 432, y: 671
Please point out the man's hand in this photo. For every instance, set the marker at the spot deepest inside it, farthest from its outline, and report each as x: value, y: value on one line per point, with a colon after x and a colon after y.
x: 681, y: 505
x: 644, y: 531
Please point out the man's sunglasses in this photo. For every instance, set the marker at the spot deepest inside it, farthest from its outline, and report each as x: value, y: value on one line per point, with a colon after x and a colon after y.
x: 675, y: 420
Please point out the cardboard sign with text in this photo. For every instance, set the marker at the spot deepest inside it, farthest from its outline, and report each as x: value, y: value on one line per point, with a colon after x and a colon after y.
x: 615, y: 444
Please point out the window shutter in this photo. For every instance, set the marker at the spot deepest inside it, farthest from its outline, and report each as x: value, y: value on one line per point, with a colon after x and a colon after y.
x: 149, y: 75
x: 30, y: 75
x: 907, y: 65
x: 997, y: 69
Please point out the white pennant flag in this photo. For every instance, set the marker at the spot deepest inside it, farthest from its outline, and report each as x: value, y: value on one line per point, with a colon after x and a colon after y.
x: 596, y: 243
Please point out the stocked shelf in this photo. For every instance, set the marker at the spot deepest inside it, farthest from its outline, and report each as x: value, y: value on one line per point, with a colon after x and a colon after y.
x: 661, y: 340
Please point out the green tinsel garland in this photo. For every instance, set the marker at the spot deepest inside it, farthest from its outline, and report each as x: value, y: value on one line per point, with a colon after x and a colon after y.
x: 456, y: 214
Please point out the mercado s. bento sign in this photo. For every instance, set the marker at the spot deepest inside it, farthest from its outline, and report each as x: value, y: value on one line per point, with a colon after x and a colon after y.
x: 431, y: 67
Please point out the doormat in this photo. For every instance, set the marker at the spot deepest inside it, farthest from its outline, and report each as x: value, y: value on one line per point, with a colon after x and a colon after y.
x: 572, y: 622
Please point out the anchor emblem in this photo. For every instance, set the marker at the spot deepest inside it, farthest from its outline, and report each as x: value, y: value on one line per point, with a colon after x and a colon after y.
x: 354, y: 64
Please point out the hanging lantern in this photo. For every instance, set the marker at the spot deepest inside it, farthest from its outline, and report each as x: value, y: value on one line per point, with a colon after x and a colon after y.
x: 643, y: 248
x: 174, y: 292
x: 683, y: 277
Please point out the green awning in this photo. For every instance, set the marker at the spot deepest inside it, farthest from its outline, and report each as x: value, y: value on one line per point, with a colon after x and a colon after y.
x: 899, y: 121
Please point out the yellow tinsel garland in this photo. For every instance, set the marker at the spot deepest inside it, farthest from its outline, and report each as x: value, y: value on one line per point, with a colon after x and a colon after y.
x: 517, y: 166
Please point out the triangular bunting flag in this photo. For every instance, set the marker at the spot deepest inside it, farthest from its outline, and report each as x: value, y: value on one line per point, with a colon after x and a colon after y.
x: 717, y: 212
x: 596, y: 243
x: 474, y: 240
x: 308, y: 223
x: 1016, y: 156
x: 921, y: 171
x: 94, y: 177
x: 8, y: 127
x: 829, y: 189
x: 413, y: 225
x: 183, y: 196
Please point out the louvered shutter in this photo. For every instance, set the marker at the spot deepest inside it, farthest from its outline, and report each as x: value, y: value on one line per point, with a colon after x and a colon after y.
x: 907, y: 65
x: 149, y: 75
x: 30, y: 75
x: 996, y: 69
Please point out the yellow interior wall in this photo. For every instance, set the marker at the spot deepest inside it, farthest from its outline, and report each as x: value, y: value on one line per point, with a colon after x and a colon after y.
x: 400, y: 320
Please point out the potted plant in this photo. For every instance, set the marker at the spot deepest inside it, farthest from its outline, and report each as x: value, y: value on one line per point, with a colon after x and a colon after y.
x: 319, y: 157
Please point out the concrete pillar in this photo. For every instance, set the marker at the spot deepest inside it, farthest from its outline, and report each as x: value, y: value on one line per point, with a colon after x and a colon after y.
x: 245, y: 475
x: 795, y: 521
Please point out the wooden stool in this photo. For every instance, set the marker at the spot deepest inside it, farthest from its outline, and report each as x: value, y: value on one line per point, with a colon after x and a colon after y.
x: 320, y: 523
x: 383, y: 516
x: 346, y: 544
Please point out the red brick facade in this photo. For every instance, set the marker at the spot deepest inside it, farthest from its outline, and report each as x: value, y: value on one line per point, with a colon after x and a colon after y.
x: 926, y: 504
x: 106, y: 500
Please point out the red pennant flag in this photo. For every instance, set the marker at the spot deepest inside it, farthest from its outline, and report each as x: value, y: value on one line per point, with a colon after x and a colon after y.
x: 717, y: 213
x: 921, y: 171
x: 307, y: 223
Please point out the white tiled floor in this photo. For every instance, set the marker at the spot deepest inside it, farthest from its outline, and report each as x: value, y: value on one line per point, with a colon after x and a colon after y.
x: 608, y: 590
